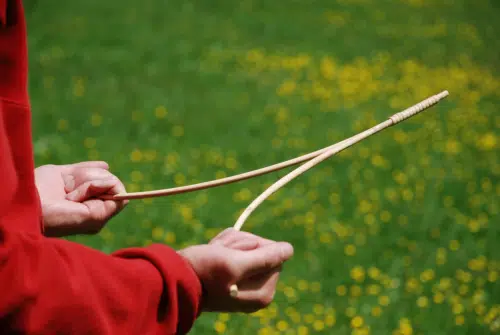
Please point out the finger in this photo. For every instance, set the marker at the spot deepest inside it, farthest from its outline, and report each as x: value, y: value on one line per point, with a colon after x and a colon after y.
x: 102, y: 211
x: 220, y: 237
x: 258, y: 292
x: 87, y: 164
x: 249, y: 243
x: 245, y: 245
x: 78, y: 176
x: 234, y: 239
x: 263, y: 259
x: 230, y: 236
x: 94, y: 188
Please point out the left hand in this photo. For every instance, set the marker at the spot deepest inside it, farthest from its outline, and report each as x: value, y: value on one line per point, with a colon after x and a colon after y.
x: 68, y: 194
x: 253, y: 262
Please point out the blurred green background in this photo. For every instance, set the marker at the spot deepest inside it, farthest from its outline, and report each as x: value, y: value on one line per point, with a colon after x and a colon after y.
x: 397, y: 235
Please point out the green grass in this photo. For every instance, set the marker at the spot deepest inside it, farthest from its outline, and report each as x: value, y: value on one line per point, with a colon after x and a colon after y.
x: 397, y: 235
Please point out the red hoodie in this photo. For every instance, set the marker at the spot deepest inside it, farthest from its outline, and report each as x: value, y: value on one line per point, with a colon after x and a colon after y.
x: 53, y: 286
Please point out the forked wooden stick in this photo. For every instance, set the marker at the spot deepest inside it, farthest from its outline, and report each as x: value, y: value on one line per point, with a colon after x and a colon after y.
x: 396, y: 118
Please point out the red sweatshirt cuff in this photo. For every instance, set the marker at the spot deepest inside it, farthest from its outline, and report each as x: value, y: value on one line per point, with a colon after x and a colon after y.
x: 182, y: 290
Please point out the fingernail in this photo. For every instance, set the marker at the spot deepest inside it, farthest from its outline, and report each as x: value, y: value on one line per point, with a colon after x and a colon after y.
x: 69, y: 182
x: 72, y: 195
x: 286, y: 250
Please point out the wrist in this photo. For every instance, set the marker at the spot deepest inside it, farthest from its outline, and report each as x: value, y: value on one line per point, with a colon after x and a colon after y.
x: 204, y: 292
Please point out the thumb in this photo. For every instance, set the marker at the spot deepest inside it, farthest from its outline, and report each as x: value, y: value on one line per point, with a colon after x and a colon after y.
x: 264, y: 259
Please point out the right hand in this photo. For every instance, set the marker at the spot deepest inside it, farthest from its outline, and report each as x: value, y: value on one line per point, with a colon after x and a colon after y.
x: 241, y: 258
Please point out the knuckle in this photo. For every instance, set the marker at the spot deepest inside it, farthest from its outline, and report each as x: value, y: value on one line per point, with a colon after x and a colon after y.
x: 269, y: 263
x: 221, y: 236
x: 95, y: 228
x: 226, y: 269
x: 251, y: 309
x: 82, y: 175
x: 265, y: 299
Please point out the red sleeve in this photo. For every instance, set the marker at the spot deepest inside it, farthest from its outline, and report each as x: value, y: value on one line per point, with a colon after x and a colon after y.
x: 8, y: 175
x: 53, y: 286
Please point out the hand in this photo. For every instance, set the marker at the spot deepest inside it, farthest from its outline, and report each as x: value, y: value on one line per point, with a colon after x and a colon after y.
x: 241, y: 258
x: 68, y: 196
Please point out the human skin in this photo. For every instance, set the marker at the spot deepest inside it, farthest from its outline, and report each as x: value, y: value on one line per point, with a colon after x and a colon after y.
x: 71, y: 205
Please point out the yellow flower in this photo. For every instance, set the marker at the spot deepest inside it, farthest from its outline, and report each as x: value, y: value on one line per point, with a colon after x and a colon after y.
x: 282, y: 115
x: 405, y: 327
x: 318, y: 309
x: 427, y: 275
x: 374, y: 273
x: 457, y: 309
x: 383, y: 300
x: 79, y: 87
x: 178, y: 131
x: 62, y: 125
x: 487, y: 142
x: 341, y: 290
x: 96, y: 120
x: 315, y: 286
x: 400, y: 177
x: 422, y: 302
x: 302, y: 330
x: 330, y: 319
x: 373, y: 289
x: 385, y: 216
x: 412, y: 285
x: 454, y: 245
x: 459, y: 320
x: 290, y: 292
x: 169, y: 238
x: 302, y: 285
x: 441, y: 256
x: 438, y: 298
x: 452, y: 147
x: 318, y: 325
x: 357, y: 322
x: 136, y: 155
x: 327, y: 68
x: 220, y: 327
x: 309, y: 318
x: 136, y: 176
x: 356, y: 291
x: 350, y: 250
x: 492, y: 276
x: 477, y: 264
x: 158, y: 233
x: 282, y: 325
x: 376, y: 311
x: 358, y: 273
x: 150, y: 155
x: 444, y: 283
x: 287, y: 87
x: 160, y: 112
x: 179, y: 179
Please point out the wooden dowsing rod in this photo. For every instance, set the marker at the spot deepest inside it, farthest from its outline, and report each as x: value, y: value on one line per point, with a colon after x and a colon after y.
x: 254, y: 173
x: 313, y: 159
